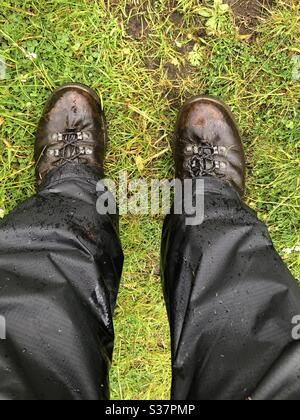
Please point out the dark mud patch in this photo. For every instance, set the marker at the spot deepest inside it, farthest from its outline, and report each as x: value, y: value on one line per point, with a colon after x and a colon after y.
x: 137, y: 27
x: 176, y: 18
x: 248, y: 13
x: 175, y: 74
x: 178, y: 72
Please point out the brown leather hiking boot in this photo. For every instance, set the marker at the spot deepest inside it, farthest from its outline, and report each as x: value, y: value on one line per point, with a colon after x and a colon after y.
x: 72, y: 130
x: 208, y: 143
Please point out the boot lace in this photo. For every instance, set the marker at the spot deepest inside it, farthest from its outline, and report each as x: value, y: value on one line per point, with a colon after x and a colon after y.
x: 71, y: 149
x: 201, y: 160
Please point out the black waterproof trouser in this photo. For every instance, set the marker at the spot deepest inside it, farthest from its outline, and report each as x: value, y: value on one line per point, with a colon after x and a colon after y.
x: 230, y: 299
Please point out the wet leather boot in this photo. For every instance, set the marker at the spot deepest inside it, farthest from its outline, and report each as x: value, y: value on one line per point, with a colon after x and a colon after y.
x: 207, y: 142
x: 72, y: 129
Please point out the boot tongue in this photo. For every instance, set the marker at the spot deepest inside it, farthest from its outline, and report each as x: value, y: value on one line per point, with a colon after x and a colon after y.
x: 70, y: 151
x: 70, y: 137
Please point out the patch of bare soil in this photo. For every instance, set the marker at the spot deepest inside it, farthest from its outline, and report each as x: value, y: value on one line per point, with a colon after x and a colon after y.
x: 137, y: 27
x: 248, y: 12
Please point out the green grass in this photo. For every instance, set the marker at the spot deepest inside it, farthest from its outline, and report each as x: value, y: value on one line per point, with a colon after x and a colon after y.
x: 144, y: 58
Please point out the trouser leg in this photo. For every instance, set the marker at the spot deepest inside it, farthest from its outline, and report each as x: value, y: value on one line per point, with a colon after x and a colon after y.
x: 231, y: 301
x: 60, y: 267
